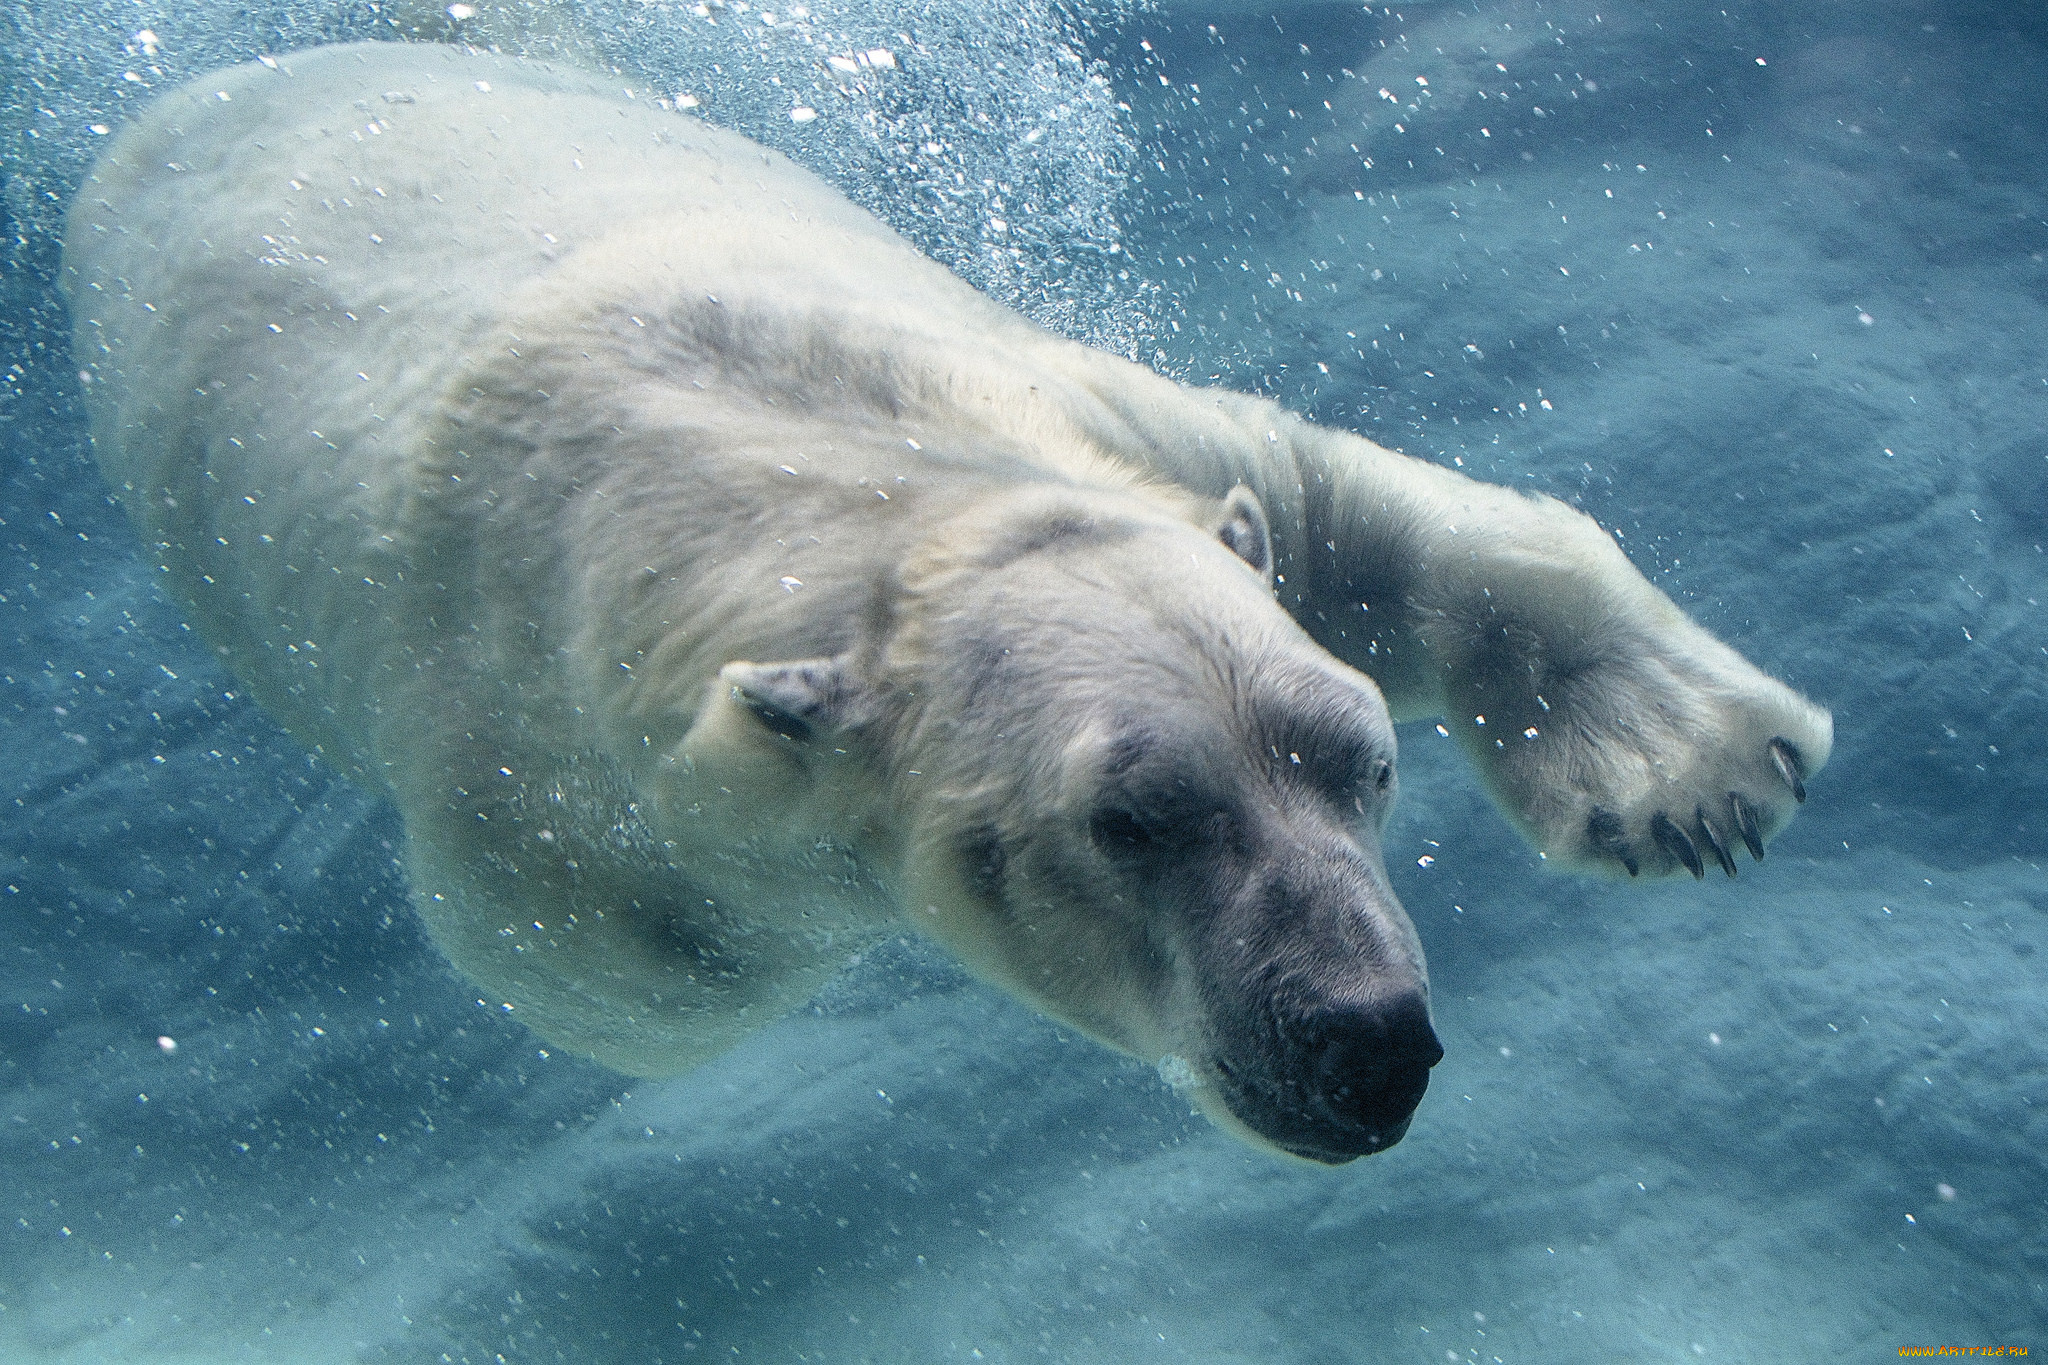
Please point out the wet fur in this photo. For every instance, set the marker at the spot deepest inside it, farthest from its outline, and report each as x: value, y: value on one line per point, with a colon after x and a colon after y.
x: 713, y: 582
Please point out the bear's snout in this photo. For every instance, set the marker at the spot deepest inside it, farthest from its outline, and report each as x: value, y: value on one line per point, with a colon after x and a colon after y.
x: 1342, y: 1081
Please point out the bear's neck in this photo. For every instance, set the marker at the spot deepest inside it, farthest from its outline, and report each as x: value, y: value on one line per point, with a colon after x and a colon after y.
x: 1350, y: 520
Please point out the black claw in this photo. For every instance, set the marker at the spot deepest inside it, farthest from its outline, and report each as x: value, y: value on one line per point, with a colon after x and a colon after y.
x: 1786, y: 759
x: 1677, y: 843
x: 1606, y: 833
x: 1745, y: 823
x: 1713, y: 837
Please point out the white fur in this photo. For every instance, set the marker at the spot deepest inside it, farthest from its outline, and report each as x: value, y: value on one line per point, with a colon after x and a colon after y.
x: 483, y: 428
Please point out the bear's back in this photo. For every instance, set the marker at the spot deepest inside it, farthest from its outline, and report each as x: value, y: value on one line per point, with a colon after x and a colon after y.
x: 287, y: 275
x: 400, y: 198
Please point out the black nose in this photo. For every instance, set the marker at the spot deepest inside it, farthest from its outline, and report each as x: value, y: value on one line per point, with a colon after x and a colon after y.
x: 1345, y: 1080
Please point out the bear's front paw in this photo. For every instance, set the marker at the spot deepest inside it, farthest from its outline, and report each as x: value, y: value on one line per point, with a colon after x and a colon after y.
x: 1645, y: 748
x: 1711, y: 828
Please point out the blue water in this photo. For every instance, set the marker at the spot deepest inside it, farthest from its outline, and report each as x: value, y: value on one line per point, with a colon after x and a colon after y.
x: 1763, y: 288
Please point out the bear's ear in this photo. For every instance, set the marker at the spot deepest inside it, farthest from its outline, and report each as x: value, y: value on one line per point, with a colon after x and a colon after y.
x: 1244, y: 532
x: 800, y: 698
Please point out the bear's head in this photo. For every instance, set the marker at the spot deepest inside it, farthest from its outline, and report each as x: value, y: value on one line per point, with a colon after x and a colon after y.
x: 1134, y: 793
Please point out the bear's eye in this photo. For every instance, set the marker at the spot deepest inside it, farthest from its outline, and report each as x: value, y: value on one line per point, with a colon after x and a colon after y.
x: 1118, y: 832
x: 780, y: 721
x: 1382, y: 774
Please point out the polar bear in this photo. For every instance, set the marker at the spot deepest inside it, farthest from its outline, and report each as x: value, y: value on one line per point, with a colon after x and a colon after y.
x: 716, y: 584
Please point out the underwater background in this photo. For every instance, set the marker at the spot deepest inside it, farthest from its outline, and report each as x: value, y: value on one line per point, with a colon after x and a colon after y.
x: 1762, y: 288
